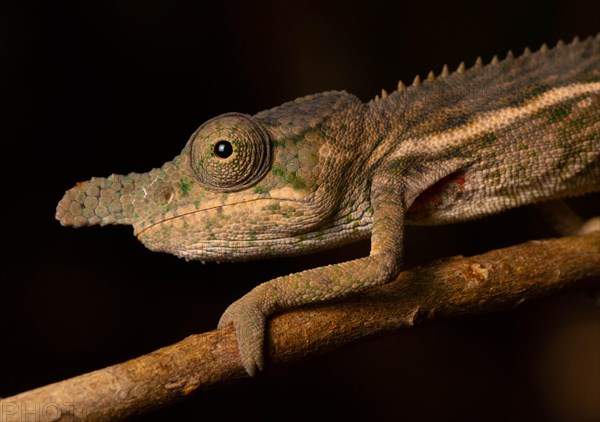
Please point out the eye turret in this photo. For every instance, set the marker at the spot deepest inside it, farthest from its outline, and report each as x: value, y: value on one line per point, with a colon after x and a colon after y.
x: 231, y: 152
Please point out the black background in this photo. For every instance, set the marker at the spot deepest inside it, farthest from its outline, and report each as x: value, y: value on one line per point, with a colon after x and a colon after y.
x: 99, y: 87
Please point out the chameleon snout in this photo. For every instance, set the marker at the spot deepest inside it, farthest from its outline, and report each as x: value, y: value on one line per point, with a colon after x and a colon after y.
x: 99, y: 201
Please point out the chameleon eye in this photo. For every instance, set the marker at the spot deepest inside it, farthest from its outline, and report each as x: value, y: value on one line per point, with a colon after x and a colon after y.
x: 230, y: 152
x: 223, y: 149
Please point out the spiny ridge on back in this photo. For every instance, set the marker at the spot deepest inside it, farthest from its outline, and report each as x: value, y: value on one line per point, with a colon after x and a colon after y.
x: 479, y: 64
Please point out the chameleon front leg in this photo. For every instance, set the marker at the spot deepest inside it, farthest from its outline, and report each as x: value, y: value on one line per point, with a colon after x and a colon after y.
x: 249, y: 313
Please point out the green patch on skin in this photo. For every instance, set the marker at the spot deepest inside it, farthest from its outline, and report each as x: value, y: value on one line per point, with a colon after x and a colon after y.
x: 558, y: 113
x: 297, y: 138
x: 260, y: 189
x: 297, y: 182
x: 277, y: 172
x: 523, y: 173
x: 577, y: 125
x: 490, y: 137
x: 573, y: 128
x: 490, y: 154
x: 289, y: 177
x: 184, y: 187
x: 166, y: 230
x: 289, y: 212
x: 536, y: 92
x: 493, y: 179
x: 561, y: 164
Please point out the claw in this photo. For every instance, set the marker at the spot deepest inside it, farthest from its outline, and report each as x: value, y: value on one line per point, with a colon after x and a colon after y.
x: 249, y: 323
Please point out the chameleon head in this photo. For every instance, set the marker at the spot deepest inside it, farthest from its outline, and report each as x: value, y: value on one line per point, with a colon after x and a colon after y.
x: 243, y: 187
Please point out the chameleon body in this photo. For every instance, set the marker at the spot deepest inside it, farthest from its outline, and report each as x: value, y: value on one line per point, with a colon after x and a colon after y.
x: 328, y: 169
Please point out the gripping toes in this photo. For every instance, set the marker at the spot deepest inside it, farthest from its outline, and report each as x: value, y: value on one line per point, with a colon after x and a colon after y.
x: 249, y: 323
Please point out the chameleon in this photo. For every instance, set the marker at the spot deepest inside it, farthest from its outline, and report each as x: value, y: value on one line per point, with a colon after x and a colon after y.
x: 329, y: 169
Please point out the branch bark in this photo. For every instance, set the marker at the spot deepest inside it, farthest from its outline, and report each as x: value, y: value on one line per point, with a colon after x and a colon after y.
x: 444, y: 289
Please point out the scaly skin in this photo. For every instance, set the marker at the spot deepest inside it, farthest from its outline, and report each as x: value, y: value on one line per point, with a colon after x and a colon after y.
x: 327, y: 169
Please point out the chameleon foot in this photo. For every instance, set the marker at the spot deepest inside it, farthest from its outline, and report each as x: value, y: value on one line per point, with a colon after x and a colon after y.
x: 249, y: 323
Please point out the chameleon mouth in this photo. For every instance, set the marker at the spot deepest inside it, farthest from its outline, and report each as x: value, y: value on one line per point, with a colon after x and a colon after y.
x: 140, y: 228
x: 238, y: 227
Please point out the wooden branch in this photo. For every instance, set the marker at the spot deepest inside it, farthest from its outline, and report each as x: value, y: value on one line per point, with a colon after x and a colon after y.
x: 444, y: 289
